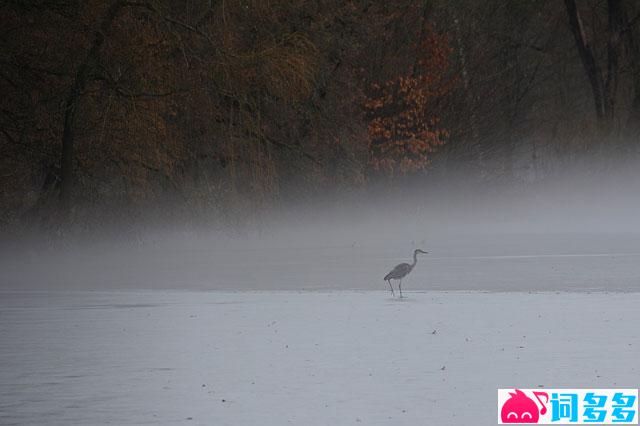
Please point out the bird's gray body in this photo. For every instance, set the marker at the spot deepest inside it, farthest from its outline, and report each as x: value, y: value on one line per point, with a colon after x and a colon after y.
x: 401, y: 271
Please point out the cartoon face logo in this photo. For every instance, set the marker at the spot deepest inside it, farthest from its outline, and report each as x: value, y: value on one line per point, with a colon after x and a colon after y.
x: 519, y: 408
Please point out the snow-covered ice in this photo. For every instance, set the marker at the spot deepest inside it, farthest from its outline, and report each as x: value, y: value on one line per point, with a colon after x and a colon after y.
x: 307, y: 358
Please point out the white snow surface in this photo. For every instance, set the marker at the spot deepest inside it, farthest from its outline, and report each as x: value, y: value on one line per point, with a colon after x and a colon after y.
x: 305, y: 358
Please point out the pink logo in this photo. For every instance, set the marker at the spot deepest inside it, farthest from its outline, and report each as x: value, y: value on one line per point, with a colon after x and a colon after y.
x: 519, y: 408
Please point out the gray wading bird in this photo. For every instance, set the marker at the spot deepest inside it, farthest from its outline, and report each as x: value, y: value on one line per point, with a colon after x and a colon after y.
x: 401, y: 271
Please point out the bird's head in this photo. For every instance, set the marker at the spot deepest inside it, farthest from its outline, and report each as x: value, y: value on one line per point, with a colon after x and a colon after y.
x: 420, y: 251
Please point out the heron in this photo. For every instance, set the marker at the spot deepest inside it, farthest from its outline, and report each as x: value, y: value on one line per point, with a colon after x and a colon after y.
x: 401, y: 271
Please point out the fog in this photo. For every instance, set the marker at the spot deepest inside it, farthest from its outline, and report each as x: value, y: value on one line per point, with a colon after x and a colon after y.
x: 510, y: 276
x: 576, y: 233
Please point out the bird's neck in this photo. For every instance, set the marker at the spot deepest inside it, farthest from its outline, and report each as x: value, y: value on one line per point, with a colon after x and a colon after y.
x: 415, y: 259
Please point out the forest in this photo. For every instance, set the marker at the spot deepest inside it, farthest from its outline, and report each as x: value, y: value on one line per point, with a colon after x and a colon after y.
x: 214, y: 112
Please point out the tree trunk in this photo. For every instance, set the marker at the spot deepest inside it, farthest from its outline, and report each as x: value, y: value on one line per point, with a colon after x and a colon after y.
x: 470, y: 110
x: 586, y: 56
x: 633, y: 122
x: 604, y: 89
x: 82, y: 77
x: 633, y: 52
x: 613, y: 42
x: 424, y: 16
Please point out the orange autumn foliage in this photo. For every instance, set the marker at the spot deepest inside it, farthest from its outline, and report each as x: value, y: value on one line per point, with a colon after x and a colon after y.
x: 402, y: 130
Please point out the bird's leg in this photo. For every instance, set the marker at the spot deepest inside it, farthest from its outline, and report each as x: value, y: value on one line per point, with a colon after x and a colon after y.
x: 390, y: 286
x: 400, y: 287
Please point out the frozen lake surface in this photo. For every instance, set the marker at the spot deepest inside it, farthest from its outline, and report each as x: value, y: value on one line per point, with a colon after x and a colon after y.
x: 308, y: 358
x: 338, y: 260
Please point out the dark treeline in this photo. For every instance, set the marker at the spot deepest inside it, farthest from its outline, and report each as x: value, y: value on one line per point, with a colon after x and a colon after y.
x: 220, y: 109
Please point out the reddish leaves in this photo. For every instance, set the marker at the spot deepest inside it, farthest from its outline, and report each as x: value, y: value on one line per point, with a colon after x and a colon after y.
x: 402, y: 130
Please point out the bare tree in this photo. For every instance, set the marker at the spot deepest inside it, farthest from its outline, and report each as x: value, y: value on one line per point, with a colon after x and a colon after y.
x: 82, y: 77
x: 603, y: 78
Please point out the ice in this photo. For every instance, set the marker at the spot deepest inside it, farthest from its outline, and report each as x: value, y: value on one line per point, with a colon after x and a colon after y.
x: 351, y: 260
x: 302, y: 357
x: 295, y: 325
